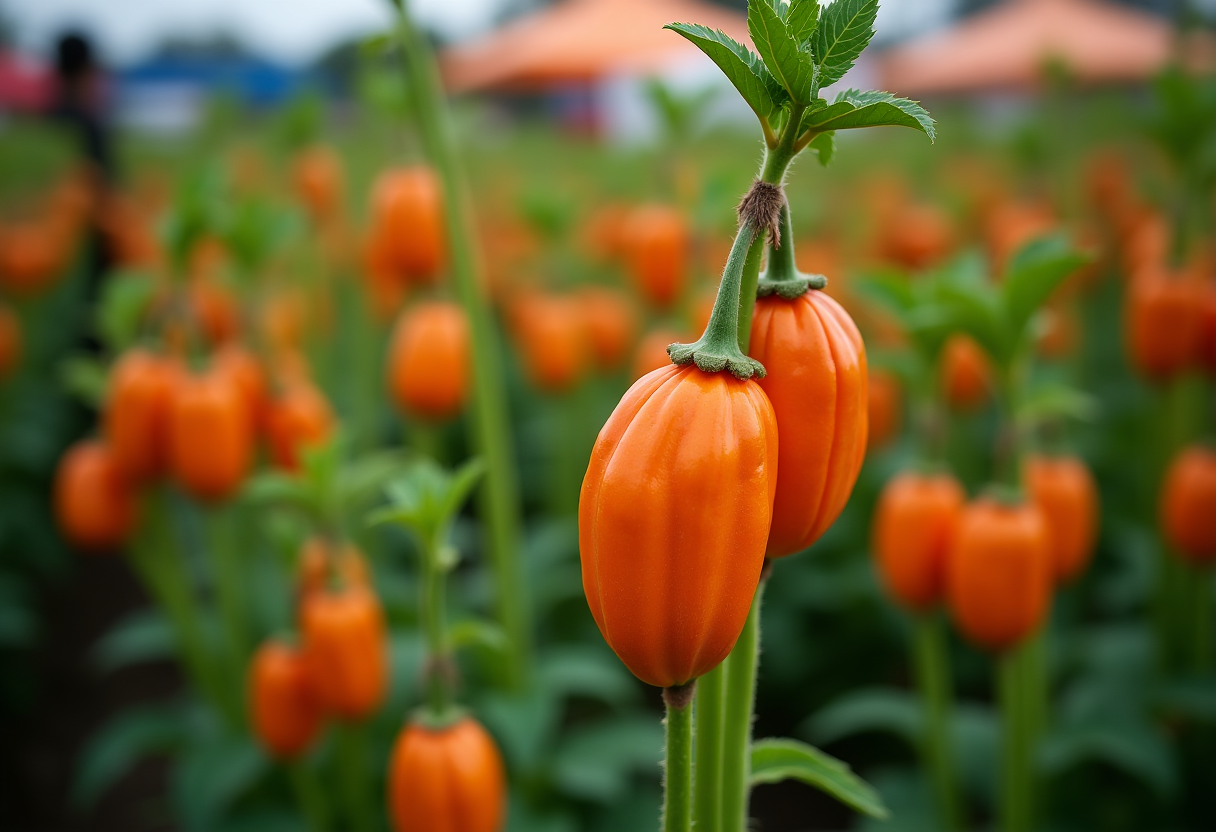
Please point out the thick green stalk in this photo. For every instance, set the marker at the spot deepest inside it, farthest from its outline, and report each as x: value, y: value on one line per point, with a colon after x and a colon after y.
x: 309, y: 796
x: 740, y: 671
x: 433, y: 610
x: 747, y: 292
x: 677, y: 772
x: 499, y: 498
x: 227, y: 564
x: 353, y: 777
x: 710, y: 712
x: 1015, y: 799
x: 1034, y: 658
x: 933, y: 678
x: 1177, y: 421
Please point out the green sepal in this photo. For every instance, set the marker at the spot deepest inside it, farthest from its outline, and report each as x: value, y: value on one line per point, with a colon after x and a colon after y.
x: 437, y: 722
x: 709, y: 360
x: 790, y: 289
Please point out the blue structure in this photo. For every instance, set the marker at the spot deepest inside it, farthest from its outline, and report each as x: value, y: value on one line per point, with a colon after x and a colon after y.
x: 254, y: 81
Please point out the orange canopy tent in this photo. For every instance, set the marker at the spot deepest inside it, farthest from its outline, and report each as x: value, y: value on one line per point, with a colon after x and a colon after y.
x: 1008, y: 47
x: 580, y: 41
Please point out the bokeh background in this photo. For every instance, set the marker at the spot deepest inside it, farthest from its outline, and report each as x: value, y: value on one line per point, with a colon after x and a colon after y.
x: 583, y: 128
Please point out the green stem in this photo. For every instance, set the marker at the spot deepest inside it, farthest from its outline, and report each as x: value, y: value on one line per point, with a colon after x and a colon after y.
x: 158, y: 562
x: 1034, y: 658
x: 352, y: 762
x: 1177, y: 421
x: 1201, y: 623
x: 740, y: 671
x: 747, y: 294
x: 718, y: 348
x: 499, y: 494
x: 309, y: 795
x: 433, y: 610
x: 1009, y: 460
x: 933, y: 678
x: 677, y: 777
x: 1170, y: 589
x: 776, y: 163
x: 1015, y: 768
x: 426, y: 439
x: 782, y: 265
x: 710, y: 712
x: 228, y: 576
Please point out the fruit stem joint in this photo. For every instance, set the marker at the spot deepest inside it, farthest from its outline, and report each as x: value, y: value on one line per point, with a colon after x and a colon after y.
x: 781, y: 276
x: 718, y: 348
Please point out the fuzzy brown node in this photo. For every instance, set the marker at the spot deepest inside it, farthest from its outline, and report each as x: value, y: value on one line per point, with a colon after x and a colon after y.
x: 678, y: 697
x: 761, y: 207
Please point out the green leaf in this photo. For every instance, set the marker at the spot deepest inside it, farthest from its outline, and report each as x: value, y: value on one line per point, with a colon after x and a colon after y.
x: 214, y: 770
x: 793, y: 68
x: 1134, y: 746
x: 843, y: 34
x: 524, y: 724
x: 461, y: 485
x: 589, y: 672
x: 1034, y: 274
x: 120, y: 744
x: 142, y: 636
x: 853, y: 109
x: 271, y: 488
x: 18, y: 626
x: 975, y: 311
x: 1056, y: 401
x: 378, y: 44
x: 889, y: 290
x: 123, y: 304
x: 365, y: 477
x: 740, y: 65
x: 890, y: 711
x: 775, y: 760
x: 1194, y: 698
x: 596, y: 761
x: 802, y: 18
x: 474, y: 632
x: 84, y: 377
x: 824, y: 146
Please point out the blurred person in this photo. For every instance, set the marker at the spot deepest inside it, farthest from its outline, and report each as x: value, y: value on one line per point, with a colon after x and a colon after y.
x: 79, y: 106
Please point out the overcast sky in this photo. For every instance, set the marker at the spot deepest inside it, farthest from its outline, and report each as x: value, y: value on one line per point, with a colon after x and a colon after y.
x: 293, y: 31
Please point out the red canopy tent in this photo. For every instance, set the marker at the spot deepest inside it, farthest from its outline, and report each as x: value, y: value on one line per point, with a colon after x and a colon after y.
x: 1008, y: 47
x: 581, y: 41
x: 25, y: 83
